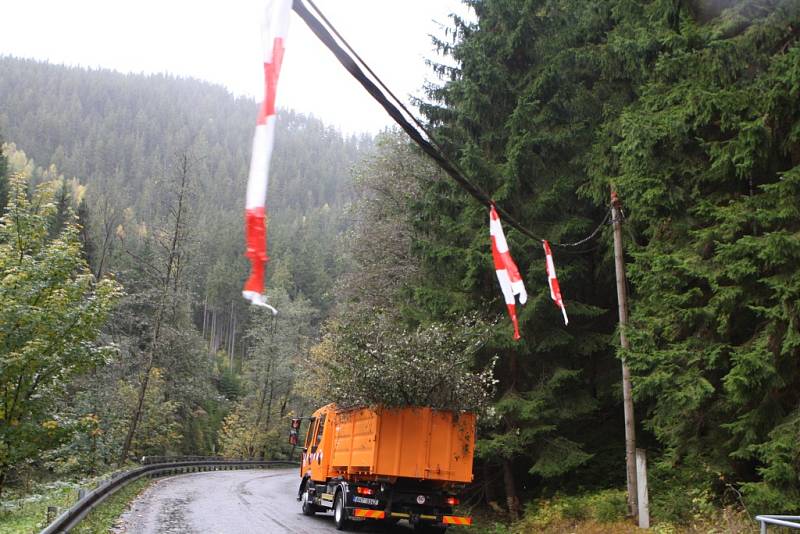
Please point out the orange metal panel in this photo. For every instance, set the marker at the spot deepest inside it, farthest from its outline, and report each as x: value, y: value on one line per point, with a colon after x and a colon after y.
x: 409, y: 442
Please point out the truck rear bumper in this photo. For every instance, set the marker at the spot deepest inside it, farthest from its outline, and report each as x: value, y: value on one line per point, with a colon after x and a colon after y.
x: 366, y: 513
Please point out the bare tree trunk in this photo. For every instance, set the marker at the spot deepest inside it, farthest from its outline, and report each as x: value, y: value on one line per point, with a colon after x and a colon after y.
x: 488, y: 488
x: 269, y: 406
x: 231, y: 337
x: 285, y: 400
x: 137, y: 413
x: 169, y: 278
x: 233, y: 343
x: 512, y: 500
x: 259, y: 415
x: 213, y: 331
x: 109, y: 224
x: 205, y: 316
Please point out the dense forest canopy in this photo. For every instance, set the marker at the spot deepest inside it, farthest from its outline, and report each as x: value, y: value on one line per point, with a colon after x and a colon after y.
x: 690, y: 109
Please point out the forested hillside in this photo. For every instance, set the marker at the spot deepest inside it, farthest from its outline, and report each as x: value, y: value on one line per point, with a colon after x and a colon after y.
x: 154, y: 169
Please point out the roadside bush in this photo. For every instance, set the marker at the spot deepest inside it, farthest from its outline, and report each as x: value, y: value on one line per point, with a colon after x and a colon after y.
x: 609, y: 506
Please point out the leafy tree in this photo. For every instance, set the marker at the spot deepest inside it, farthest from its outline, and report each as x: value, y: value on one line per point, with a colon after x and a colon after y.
x: 53, y: 310
x: 380, y: 266
x: 256, y: 425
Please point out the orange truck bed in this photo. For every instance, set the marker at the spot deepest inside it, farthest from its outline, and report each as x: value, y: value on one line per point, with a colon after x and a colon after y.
x: 419, y: 443
x: 375, y: 464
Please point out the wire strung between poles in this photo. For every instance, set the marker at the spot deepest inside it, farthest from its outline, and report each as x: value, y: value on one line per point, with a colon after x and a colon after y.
x: 350, y: 61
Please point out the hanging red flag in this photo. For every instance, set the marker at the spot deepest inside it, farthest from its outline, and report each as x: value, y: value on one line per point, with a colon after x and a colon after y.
x: 274, y: 30
x: 555, y: 290
x: 507, y: 273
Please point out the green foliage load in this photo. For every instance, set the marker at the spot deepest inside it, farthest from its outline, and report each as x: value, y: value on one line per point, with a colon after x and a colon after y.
x: 379, y: 363
x: 53, y: 310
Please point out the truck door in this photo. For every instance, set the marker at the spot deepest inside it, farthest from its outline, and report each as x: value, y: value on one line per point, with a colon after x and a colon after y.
x: 312, y: 427
x: 316, y: 454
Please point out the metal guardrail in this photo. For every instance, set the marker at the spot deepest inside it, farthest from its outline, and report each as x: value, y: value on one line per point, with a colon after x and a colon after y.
x: 790, y: 521
x: 158, y: 465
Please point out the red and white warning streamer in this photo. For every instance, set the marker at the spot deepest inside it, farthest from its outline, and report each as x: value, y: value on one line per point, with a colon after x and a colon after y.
x: 507, y: 273
x: 555, y: 290
x: 274, y: 30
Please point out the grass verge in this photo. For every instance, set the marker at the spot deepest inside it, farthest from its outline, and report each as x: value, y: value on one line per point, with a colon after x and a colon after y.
x: 604, y: 513
x: 27, y: 514
x: 101, y: 519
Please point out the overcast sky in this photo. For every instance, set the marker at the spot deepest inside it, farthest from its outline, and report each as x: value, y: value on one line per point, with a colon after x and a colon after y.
x: 220, y: 42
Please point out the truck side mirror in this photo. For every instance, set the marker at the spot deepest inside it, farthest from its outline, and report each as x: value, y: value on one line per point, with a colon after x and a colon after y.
x: 294, y: 431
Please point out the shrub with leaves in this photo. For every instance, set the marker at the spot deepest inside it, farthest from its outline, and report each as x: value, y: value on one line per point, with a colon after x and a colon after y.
x: 52, y: 312
x: 380, y: 363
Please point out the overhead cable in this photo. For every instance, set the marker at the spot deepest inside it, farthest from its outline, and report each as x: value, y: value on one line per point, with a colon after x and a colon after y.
x: 350, y: 61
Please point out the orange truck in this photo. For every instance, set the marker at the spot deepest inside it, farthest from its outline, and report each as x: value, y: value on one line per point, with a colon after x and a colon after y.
x: 387, y: 464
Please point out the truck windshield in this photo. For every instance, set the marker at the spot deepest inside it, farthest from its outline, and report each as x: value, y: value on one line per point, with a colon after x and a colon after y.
x: 319, y: 433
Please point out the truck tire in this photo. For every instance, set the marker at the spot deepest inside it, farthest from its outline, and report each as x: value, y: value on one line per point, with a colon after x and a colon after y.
x: 309, y: 508
x: 339, y: 512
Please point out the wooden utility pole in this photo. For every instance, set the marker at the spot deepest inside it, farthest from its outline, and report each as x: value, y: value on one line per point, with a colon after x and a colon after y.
x: 627, y: 396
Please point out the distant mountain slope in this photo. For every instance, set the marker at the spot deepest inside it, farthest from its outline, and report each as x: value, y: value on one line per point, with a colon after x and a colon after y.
x: 103, y: 125
x: 121, y: 134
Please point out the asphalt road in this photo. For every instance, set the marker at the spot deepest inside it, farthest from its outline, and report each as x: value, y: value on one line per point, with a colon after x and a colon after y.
x: 230, y: 502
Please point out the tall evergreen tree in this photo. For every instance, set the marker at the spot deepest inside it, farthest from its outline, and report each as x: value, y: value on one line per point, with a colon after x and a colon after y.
x: 520, y: 114
x: 707, y: 163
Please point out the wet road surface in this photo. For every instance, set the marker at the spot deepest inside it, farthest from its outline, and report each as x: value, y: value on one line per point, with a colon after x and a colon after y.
x: 230, y: 502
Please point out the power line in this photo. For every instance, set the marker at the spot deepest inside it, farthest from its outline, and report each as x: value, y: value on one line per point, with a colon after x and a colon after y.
x: 350, y: 61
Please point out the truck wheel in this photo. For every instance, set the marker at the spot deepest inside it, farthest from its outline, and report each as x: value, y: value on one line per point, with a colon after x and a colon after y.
x: 339, y: 512
x: 308, y: 507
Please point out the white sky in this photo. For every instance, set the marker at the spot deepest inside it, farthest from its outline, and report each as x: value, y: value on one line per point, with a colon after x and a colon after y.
x: 220, y: 42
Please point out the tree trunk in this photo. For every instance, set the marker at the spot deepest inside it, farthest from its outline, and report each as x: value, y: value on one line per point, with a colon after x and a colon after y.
x: 285, y: 400
x: 205, y: 317
x: 488, y: 488
x: 269, y: 406
x: 169, y: 281
x: 3, y: 471
x: 137, y: 415
x: 213, y: 344
x: 512, y: 500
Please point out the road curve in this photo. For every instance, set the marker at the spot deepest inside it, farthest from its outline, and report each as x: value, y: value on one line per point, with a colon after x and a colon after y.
x: 229, y: 502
